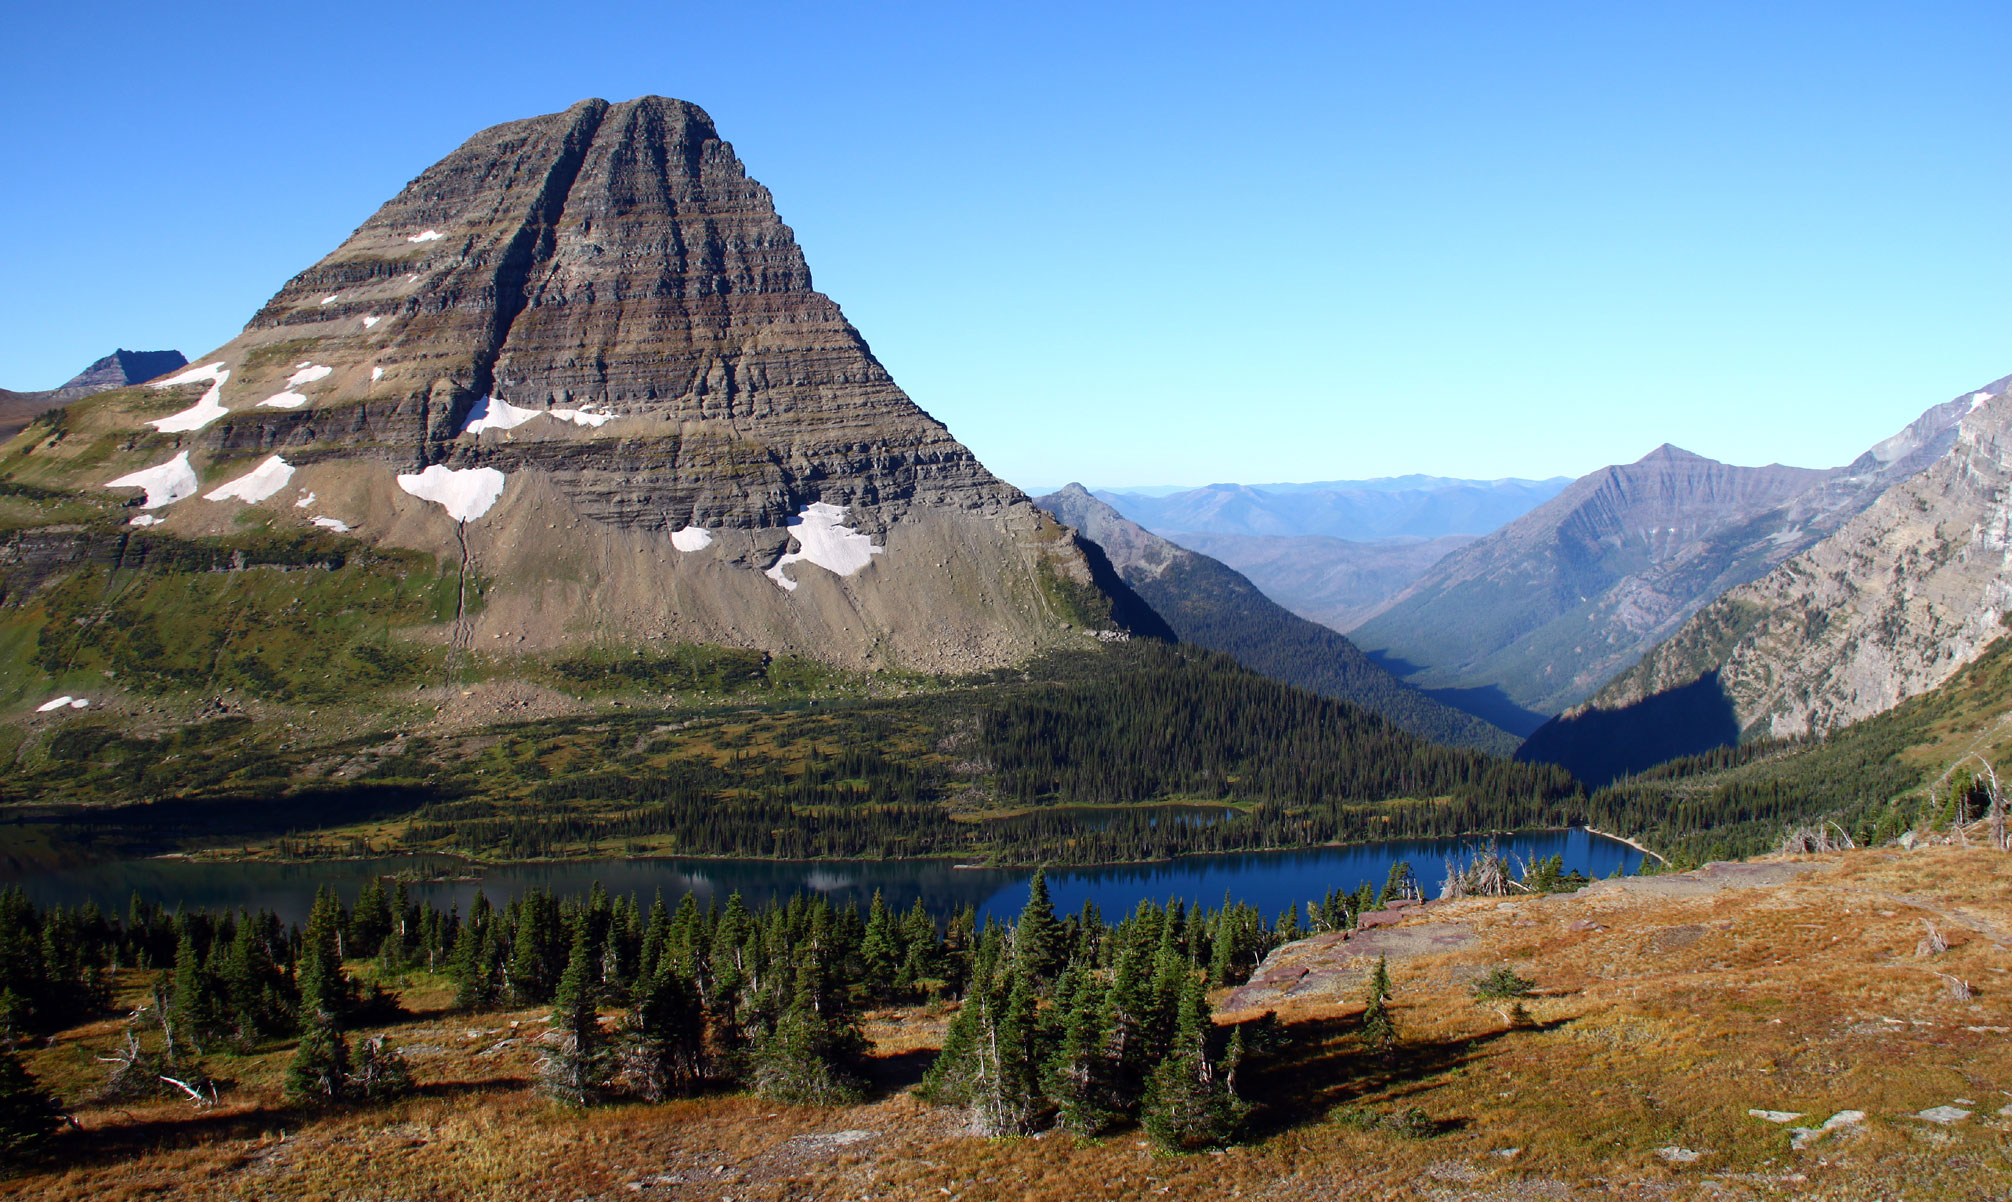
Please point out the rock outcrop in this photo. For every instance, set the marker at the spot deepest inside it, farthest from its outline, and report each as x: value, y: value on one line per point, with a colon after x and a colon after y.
x: 583, y: 356
x: 1888, y: 606
x: 1211, y: 605
x: 1554, y: 605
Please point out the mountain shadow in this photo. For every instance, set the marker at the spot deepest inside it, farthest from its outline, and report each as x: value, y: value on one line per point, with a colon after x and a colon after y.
x: 1599, y: 745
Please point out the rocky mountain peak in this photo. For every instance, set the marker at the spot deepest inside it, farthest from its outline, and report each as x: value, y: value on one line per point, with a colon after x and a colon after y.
x: 584, y: 352
x: 118, y: 370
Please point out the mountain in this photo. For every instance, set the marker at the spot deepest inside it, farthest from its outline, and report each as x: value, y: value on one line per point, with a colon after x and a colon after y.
x: 1336, y: 582
x: 1210, y: 604
x: 119, y: 369
x: 1543, y: 612
x: 1890, y: 605
x: 577, y: 367
x: 1419, y: 507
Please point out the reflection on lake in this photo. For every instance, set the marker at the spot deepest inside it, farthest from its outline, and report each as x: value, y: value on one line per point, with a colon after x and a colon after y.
x: 1269, y: 880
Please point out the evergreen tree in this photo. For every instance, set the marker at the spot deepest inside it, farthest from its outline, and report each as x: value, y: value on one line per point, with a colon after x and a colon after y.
x: 29, y: 1114
x: 254, y: 990
x: 922, y: 956
x: 1007, y: 1098
x: 475, y: 962
x: 1038, y: 943
x: 1080, y: 1077
x: 662, y: 1038
x: 880, y: 951
x: 370, y: 922
x: 1190, y: 1102
x: 195, y: 1009
x: 318, y: 1074
x: 1379, y: 1030
x: 380, y: 1073
x: 539, y: 948
x: 1505, y: 990
x: 809, y: 1056
x: 576, y: 1069
x: 326, y: 995
x: 1399, y: 885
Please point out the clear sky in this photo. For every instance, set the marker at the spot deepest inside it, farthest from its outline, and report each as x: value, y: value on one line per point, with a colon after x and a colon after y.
x: 1138, y: 244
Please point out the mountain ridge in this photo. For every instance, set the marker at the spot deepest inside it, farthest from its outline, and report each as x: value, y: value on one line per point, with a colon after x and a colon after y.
x: 1558, y: 602
x: 1907, y: 592
x: 1207, y: 603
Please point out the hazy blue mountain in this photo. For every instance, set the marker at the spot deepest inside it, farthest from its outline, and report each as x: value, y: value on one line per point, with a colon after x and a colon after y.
x: 1393, y: 507
x: 1211, y: 605
x: 1337, y: 582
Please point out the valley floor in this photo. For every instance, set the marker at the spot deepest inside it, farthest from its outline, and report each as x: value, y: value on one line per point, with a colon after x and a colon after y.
x: 1668, y: 1009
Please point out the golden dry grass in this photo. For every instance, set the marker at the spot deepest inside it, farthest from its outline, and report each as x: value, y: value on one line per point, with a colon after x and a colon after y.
x: 1662, y: 1020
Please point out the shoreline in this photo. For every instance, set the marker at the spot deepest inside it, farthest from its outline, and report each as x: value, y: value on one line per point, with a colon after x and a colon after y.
x: 950, y: 861
x: 1593, y: 830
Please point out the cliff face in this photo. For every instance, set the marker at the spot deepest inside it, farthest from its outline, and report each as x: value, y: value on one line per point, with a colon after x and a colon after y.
x: 1890, y: 605
x: 1210, y: 604
x: 584, y: 353
x: 1554, y: 605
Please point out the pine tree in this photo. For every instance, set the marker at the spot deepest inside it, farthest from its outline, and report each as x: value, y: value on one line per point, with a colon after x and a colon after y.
x: 475, y: 961
x: 252, y: 988
x: 1504, y: 990
x: 318, y: 1074
x: 195, y: 1009
x: 575, y: 1071
x: 370, y: 921
x: 880, y: 952
x: 380, y: 1073
x: 1080, y: 1077
x: 922, y: 958
x: 1130, y: 1017
x: 29, y: 1114
x: 326, y: 995
x: 1399, y: 885
x: 809, y: 1056
x: 1038, y: 944
x: 1189, y: 1103
x: 1006, y: 1092
x: 662, y: 1038
x: 1379, y: 1030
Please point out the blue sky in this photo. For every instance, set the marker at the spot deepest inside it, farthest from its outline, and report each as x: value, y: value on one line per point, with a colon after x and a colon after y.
x: 1137, y: 244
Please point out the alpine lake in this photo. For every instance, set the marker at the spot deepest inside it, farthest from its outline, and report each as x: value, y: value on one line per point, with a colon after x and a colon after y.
x: 1269, y: 880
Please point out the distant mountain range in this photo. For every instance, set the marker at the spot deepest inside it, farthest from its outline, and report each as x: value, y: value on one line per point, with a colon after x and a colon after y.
x: 1333, y: 581
x: 1211, y: 605
x: 1416, y: 507
x: 1543, y: 612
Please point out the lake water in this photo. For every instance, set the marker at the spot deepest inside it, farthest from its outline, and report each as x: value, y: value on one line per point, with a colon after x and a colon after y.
x: 1269, y: 880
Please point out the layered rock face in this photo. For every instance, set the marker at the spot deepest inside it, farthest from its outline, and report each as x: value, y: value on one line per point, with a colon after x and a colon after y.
x: 584, y: 352
x: 1210, y: 604
x: 1889, y: 606
x: 1552, y: 606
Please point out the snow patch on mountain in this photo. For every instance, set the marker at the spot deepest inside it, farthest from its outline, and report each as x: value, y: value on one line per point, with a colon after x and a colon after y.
x: 165, y: 483
x: 466, y: 494
x: 824, y: 539
x: 207, y: 409
x: 257, y: 484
